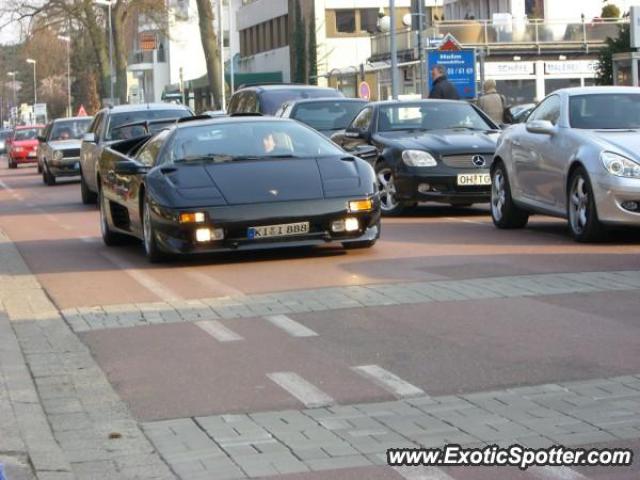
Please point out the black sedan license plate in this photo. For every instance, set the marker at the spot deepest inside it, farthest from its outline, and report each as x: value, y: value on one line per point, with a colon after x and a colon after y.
x: 282, y: 230
x: 473, y: 179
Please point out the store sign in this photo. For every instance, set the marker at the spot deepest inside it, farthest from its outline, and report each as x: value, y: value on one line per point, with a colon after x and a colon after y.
x: 575, y: 67
x: 148, y: 41
x: 503, y: 69
x: 460, y: 64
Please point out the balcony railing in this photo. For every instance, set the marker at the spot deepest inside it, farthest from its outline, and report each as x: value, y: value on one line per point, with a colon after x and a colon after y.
x: 147, y: 56
x: 515, y: 35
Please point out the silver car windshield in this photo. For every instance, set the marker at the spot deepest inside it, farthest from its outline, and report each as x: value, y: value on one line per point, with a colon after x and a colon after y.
x: 607, y: 111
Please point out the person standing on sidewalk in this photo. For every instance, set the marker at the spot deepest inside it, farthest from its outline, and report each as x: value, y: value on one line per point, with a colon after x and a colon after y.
x: 442, y: 88
x: 492, y: 103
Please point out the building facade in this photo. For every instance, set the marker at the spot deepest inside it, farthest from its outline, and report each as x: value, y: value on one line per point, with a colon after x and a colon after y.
x: 171, y: 53
x: 337, y: 36
x: 530, y: 47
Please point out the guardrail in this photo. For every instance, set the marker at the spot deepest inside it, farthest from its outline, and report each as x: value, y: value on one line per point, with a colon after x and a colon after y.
x: 518, y: 34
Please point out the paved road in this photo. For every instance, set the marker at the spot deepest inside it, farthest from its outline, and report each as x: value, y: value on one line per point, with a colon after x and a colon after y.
x: 310, y: 364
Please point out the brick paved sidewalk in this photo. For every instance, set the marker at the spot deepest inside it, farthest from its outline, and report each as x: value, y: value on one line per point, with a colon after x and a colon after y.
x: 59, y: 417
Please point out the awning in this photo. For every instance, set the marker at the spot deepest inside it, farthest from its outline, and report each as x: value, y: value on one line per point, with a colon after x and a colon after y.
x: 239, y: 79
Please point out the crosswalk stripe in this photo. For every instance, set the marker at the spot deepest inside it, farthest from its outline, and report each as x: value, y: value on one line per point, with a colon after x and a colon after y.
x: 556, y: 473
x: 389, y: 381
x: 307, y: 393
x: 218, y: 331
x: 422, y: 473
x: 290, y: 326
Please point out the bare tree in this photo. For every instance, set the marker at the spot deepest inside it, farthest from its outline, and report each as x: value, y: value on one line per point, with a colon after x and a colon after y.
x: 211, y: 50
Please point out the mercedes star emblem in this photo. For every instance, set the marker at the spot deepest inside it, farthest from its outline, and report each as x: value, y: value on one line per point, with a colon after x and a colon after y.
x: 274, y: 192
x: 478, y: 160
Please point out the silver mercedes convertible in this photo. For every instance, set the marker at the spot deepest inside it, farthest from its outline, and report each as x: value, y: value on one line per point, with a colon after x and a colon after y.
x: 577, y: 157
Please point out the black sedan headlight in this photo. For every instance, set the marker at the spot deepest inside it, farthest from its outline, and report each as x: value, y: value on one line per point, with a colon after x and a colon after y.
x: 418, y: 158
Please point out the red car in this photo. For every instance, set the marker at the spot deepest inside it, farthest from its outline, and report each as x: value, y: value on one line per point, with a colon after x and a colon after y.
x: 22, y: 145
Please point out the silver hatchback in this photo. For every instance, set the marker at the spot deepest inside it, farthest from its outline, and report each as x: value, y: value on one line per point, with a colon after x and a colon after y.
x: 577, y: 157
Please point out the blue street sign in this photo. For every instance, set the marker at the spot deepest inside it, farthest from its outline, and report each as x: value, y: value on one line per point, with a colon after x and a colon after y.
x: 461, y: 69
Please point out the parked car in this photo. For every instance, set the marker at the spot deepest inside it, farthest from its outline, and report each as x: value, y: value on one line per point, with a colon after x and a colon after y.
x: 59, y: 149
x: 23, y: 144
x: 115, y: 124
x: 267, y: 99
x: 577, y: 157
x: 519, y: 113
x: 4, y: 135
x: 426, y: 150
x: 326, y: 115
x: 236, y: 183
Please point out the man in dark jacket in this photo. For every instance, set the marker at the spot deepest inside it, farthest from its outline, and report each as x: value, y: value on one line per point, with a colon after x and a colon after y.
x: 442, y: 88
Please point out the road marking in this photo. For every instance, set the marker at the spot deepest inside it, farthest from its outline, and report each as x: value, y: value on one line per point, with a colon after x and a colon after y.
x: 5, y: 186
x: 88, y: 239
x: 144, y: 279
x: 422, y: 473
x: 219, y: 287
x: 290, y: 326
x: 556, y: 473
x: 389, y: 381
x: 308, y: 394
x: 219, y: 331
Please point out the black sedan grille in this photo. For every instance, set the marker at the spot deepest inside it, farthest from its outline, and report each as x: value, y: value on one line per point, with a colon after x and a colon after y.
x: 468, y: 160
x: 71, y: 153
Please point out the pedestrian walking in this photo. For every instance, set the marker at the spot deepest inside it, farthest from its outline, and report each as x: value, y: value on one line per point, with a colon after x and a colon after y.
x: 492, y: 103
x: 442, y: 88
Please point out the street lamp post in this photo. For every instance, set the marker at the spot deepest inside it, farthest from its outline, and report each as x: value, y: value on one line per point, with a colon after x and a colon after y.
x: 394, y: 50
x: 13, y: 83
x: 35, y: 83
x: 108, y: 4
x: 67, y: 40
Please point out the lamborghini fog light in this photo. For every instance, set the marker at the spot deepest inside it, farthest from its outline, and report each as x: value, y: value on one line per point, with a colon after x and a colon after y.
x: 351, y: 225
x: 204, y: 235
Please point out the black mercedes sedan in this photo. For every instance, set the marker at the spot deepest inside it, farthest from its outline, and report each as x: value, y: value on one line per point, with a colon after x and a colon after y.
x: 234, y: 183
x: 426, y: 150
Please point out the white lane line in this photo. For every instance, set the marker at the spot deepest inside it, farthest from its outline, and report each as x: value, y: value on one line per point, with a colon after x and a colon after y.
x: 389, y: 381
x: 219, y: 331
x: 422, y: 473
x: 290, y: 326
x: 308, y: 394
x: 556, y: 473
x: 144, y: 279
x: 5, y: 186
x: 215, y: 285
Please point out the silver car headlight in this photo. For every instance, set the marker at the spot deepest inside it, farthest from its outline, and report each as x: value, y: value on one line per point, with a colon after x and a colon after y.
x: 57, y: 155
x: 418, y: 158
x: 620, y: 166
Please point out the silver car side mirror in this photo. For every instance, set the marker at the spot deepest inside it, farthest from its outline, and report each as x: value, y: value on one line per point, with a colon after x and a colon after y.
x: 544, y: 127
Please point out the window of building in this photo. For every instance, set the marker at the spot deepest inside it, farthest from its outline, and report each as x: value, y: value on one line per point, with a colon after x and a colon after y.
x: 345, y: 21
x: 263, y: 37
x: 369, y: 20
x: 553, y: 84
x: 534, y: 8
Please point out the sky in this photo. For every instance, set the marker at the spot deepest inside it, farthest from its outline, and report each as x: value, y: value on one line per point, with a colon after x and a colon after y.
x: 10, y: 33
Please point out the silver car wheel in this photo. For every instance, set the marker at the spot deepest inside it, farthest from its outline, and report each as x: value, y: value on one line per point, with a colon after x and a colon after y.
x: 146, y: 228
x: 387, y: 189
x: 498, y: 195
x: 579, y: 205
